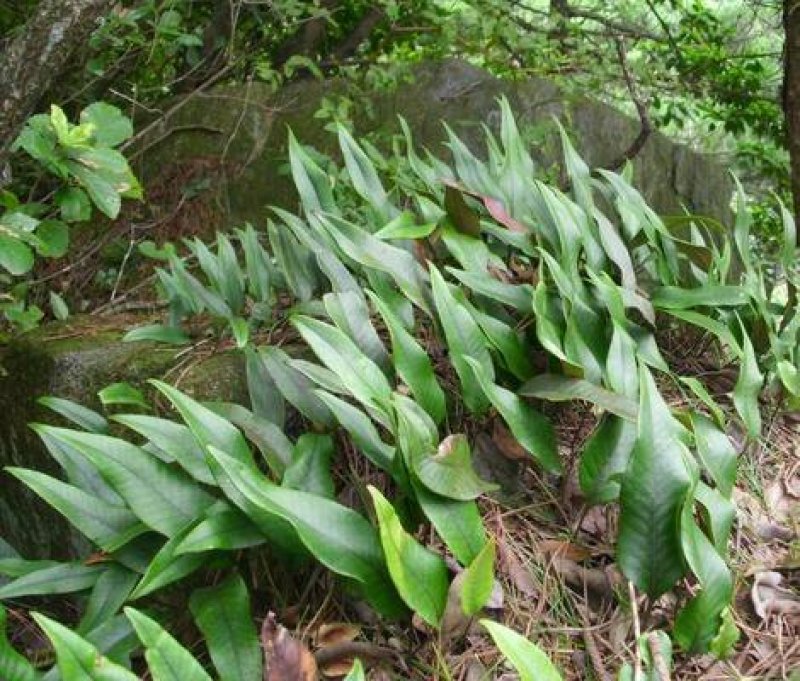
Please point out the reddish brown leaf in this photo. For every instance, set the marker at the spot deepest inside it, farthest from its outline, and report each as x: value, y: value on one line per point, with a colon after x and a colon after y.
x: 498, y: 212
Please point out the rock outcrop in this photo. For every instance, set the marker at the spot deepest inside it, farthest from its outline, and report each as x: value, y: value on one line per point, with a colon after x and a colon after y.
x: 239, y: 134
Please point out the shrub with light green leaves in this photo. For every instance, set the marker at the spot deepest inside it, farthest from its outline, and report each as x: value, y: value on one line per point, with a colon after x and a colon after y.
x: 90, y: 170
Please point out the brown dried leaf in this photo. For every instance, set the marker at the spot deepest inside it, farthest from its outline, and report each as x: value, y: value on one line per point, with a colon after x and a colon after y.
x: 336, y: 632
x: 769, y: 598
x: 516, y: 572
x: 455, y: 623
x: 285, y: 658
x: 598, y: 582
x: 507, y: 444
x: 558, y: 548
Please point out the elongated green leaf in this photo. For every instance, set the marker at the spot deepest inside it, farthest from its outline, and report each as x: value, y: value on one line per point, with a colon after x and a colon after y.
x: 528, y: 659
x: 654, y: 488
x: 675, y: 298
x: 167, y: 566
x: 76, y: 413
x: 533, y: 431
x: 63, y: 578
x: 270, y: 440
x: 223, y: 614
x: 549, y: 322
x: 717, y: 328
x: 122, y: 393
x: 716, y: 453
x: 464, y: 340
x: 224, y: 527
x: 718, y: 513
x: 107, y: 525
x: 359, y: 374
x: 163, y: 498
x: 174, y: 439
x: 59, y: 306
x: 412, y: 363
x: 419, y: 574
x: 703, y: 395
x: 320, y: 375
x: 110, y: 592
x: 15, y: 667
x: 295, y: 262
x: 313, y: 184
x: 518, y: 296
x: 362, y: 432
x: 478, y: 581
x: 748, y: 388
x: 79, y: 660
x: 458, y: 523
x: 337, y: 536
x: 604, y: 459
x: 295, y: 387
x: 373, y: 253
x: 310, y: 470
x: 405, y: 226
x: 114, y: 638
x: 363, y: 176
x: 620, y: 369
x: 698, y: 622
x: 448, y: 470
x: 167, y: 659
x: 350, y: 313
x: 231, y: 282
x: 158, y: 333
x: 559, y: 388
x: 13, y: 566
x: 208, y: 427
x: 259, y: 276
x: 504, y: 339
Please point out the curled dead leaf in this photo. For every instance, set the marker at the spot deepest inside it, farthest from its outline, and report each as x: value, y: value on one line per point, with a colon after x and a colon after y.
x: 507, y: 444
x: 770, y: 598
x: 599, y: 582
x: 335, y: 632
x: 285, y: 658
x: 455, y: 623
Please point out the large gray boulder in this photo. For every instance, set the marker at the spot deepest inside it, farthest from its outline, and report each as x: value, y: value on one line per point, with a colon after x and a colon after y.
x: 74, y: 360
x: 243, y: 129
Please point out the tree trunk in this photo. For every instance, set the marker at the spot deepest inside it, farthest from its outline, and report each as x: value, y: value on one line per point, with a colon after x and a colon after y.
x: 791, y: 94
x: 35, y: 58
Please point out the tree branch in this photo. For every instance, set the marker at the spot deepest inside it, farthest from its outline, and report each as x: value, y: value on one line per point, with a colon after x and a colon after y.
x: 641, y: 108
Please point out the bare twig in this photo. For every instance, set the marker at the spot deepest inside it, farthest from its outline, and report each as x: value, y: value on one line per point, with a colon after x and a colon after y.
x: 637, y: 632
x: 594, y: 656
x: 641, y: 108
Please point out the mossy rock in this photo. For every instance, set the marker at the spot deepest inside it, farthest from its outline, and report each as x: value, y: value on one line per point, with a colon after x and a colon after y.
x: 74, y: 360
x: 244, y: 128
